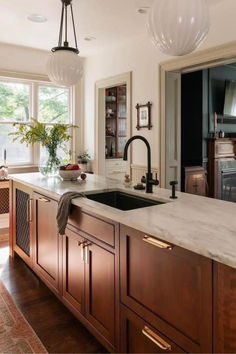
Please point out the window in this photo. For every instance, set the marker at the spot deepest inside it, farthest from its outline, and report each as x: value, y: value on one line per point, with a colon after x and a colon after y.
x: 15, y: 106
x: 53, y: 105
x: 21, y: 100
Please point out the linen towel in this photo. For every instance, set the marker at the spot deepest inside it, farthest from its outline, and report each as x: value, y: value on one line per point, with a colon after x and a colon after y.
x: 63, y: 210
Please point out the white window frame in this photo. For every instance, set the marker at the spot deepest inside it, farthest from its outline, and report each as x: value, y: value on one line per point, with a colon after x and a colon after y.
x: 33, y: 110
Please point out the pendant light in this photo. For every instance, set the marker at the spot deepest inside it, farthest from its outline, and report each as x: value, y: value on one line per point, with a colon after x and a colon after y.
x: 64, y: 67
x: 178, y: 27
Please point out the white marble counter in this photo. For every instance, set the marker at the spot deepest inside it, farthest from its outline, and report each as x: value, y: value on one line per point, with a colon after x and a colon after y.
x: 202, y: 225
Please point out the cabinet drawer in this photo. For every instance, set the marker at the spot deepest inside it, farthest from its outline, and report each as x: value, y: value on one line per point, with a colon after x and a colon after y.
x: 170, y: 288
x: 137, y: 336
x: 101, y: 229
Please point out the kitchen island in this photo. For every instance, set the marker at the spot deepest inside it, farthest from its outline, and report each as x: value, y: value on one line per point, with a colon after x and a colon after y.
x: 155, y: 279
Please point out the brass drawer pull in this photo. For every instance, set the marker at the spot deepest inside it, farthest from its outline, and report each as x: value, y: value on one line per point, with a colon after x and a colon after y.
x: 153, y: 241
x: 161, y: 343
x: 82, y: 246
x: 87, y: 252
x: 44, y: 200
x: 29, y: 210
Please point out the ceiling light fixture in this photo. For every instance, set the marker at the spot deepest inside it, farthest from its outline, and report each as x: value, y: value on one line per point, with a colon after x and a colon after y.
x: 64, y: 66
x: 37, y: 18
x: 178, y: 27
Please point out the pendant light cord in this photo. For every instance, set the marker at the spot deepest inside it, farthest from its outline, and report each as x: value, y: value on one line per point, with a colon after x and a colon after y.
x: 61, y: 26
x: 73, y: 23
x: 64, y: 23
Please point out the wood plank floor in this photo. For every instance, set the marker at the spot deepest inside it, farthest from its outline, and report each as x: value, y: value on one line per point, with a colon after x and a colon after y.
x: 57, y: 328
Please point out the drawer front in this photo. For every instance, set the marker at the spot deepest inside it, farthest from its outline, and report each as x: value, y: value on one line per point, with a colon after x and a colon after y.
x: 137, y: 336
x: 170, y: 287
x: 101, y: 229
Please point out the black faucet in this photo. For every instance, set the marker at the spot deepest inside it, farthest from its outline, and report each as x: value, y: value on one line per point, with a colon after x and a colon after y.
x: 148, y: 179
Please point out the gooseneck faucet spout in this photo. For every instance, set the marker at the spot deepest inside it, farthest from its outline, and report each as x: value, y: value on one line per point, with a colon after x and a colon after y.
x: 148, y: 180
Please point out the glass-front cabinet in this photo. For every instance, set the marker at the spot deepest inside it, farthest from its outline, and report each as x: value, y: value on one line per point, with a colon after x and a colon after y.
x: 116, y: 121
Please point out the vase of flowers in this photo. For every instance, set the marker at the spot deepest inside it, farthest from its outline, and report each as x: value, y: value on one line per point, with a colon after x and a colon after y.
x: 50, y: 138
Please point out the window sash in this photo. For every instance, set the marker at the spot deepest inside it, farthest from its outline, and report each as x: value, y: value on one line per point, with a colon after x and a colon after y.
x: 33, y: 109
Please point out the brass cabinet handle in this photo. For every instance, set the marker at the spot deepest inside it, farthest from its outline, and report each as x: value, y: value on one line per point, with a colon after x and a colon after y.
x: 81, y: 244
x: 87, y: 252
x: 161, y: 343
x: 29, y: 210
x: 44, y: 200
x: 153, y: 241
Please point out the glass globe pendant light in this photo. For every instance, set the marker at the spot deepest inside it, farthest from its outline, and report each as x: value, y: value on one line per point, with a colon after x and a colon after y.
x: 178, y: 27
x: 64, y: 66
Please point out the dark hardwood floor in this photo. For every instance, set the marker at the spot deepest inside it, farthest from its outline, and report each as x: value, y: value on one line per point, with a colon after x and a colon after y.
x: 57, y: 328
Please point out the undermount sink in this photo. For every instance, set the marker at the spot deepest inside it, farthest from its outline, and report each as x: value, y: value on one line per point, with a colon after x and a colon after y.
x: 122, y: 201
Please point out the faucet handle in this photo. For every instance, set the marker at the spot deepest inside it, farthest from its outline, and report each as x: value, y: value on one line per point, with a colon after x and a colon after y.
x: 173, y: 183
x: 143, y: 179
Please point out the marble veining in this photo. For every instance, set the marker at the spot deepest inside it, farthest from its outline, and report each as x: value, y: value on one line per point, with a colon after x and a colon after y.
x: 202, y: 225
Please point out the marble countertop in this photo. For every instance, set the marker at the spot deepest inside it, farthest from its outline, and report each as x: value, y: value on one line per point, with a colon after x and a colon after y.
x: 202, y: 225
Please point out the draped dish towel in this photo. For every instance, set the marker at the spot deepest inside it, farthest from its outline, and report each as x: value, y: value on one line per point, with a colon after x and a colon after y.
x: 63, y: 210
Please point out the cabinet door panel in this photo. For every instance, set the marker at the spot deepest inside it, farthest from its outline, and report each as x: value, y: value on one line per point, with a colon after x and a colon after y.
x: 100, y: 290
x: 139, y: 337
x: 73, y: 270
x: 172, y: 287
x: 21, y: 222
x: 46, y: 239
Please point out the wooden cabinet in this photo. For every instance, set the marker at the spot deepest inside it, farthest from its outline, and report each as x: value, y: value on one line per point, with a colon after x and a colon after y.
x: 46, y: 240
x: 73, y: 270
x: 137, y: 336
x: 90, y: 282
x: 21, y: 222
x: 169, y: 287
x: 100, y: 290
x: 159, y: 296
x: 224, y: 309
x: 196, y: 180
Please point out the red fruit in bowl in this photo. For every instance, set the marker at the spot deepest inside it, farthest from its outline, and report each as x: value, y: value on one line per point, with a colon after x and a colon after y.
x: 83, y: 176
x: 75, y: 167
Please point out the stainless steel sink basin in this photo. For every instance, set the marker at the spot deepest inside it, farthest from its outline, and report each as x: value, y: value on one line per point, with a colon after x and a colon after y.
x: 122, y: 201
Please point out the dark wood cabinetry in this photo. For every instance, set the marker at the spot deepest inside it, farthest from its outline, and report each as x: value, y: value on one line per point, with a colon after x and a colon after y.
x: 169, y: 287
x: 90, y: 273
x: 138, y: 336
x: 224, y: 309
x: 134, y: 292
x: 73, y: 270
x: 46, y: 240
x: 100, y: 290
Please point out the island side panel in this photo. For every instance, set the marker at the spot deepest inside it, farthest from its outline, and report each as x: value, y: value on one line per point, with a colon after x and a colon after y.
x: 11, y: 219
x: 224, y: 309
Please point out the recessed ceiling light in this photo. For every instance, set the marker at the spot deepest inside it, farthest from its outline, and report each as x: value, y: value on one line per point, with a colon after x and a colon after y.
x: 37, y: 18
x: 89, y: 38
x: 142, y: 10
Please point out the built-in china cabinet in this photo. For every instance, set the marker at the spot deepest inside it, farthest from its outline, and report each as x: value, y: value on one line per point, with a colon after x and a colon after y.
x: 115, y: 130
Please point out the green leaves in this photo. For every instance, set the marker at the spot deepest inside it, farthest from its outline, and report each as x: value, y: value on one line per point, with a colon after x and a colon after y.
x: 50, y: 137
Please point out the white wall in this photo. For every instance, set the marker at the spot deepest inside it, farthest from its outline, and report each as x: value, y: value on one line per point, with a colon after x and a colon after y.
x: 23, y: 59
x: 139, y: 56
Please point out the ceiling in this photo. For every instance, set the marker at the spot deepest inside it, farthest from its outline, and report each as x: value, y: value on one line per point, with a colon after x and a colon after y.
x: 109, y: 21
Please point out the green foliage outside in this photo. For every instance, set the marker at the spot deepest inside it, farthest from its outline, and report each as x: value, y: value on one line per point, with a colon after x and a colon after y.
x: 14, y: 102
